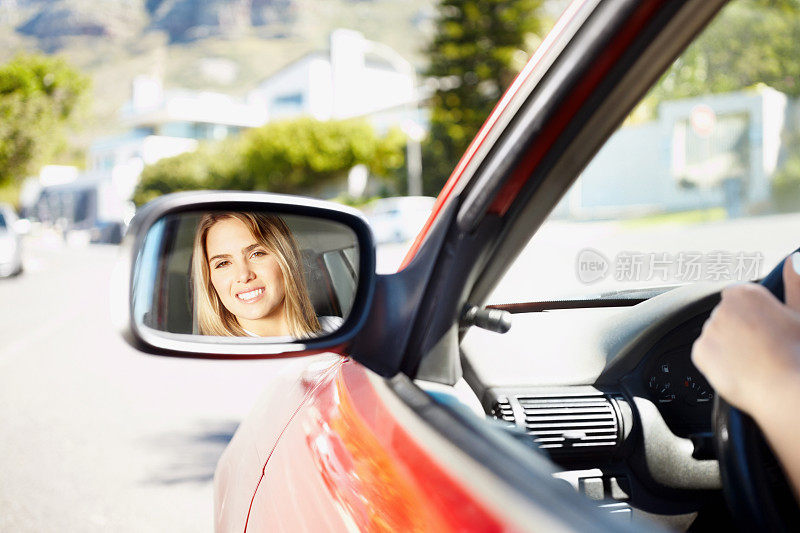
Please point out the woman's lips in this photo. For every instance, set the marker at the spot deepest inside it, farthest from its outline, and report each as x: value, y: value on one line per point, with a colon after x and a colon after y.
x: 251, y: 296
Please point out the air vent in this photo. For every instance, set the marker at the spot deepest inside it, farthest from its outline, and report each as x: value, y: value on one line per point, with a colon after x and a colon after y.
x: 571, y: 425
x: 502, y: 410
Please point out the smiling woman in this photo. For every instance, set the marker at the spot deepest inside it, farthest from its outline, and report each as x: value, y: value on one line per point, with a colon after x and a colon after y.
x: 249, y: 273
x: 247, y: 278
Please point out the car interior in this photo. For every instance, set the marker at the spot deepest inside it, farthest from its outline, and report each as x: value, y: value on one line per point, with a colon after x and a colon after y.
x: 603, y: 385
x: 605, y: 388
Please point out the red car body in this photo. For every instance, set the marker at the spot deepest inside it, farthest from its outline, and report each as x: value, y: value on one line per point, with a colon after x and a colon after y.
x: 341, y: 461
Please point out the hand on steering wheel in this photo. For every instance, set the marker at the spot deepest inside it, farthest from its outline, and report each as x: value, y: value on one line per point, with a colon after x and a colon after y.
x: 750, y: 352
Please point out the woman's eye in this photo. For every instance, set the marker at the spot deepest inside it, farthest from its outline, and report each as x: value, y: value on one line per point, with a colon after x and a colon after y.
x: 259, y: 253
x: 221, y: 264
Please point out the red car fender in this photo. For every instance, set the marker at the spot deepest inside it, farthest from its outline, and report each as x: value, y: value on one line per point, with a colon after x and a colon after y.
x: 346, y: 463
x: 242, y: 464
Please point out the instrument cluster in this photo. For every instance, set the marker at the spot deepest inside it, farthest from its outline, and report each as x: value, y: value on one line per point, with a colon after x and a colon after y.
x: 680, y: 391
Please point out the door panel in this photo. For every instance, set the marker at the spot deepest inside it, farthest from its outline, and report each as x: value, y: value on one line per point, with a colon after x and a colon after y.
x: 344, y: 463
x: 240, y: 468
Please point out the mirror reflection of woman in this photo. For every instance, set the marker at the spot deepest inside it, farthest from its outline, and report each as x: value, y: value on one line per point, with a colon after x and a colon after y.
x: 247, y: 278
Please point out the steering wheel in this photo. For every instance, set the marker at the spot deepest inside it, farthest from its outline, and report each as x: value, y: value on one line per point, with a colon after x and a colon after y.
x: 756, y: 489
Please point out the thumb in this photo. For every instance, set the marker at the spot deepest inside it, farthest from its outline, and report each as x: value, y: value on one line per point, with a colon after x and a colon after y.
x: 791, y: 281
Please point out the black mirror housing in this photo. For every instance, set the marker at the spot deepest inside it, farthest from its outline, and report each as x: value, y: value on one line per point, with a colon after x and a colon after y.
x: 128, y: 280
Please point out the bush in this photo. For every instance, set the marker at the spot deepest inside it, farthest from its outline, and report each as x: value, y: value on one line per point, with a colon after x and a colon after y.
x: 304, y: 155
x: 300, y: 156
x: 211, y: 166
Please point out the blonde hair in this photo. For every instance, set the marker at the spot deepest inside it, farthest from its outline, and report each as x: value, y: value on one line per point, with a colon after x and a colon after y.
x: 270, y: 231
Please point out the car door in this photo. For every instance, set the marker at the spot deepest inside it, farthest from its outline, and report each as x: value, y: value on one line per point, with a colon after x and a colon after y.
x: 352, y: 458
x: 368, y: 449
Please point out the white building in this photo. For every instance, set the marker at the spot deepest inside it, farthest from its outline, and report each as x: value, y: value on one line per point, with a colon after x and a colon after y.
x: 714, y: 150
x: 354, y: 78
x: 164, y: 124
x: 187, y: 114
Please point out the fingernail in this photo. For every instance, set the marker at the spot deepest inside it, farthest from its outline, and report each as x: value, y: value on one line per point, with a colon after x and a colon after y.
x: 796, y: 262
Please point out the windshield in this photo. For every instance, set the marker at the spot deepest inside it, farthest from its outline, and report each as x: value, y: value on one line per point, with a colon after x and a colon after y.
x: 700, y: 183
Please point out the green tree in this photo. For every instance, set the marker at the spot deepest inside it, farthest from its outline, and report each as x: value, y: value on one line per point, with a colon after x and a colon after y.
x: 479, y: 47
x: 751, y: 42
x: 40, y: 97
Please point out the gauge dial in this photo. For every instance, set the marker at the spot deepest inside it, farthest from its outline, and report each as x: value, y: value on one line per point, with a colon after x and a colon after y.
x: 662, y: 388
x: 696, y: 390
x: 682, y: 395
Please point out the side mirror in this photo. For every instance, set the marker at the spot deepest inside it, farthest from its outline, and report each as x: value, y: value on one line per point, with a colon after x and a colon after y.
x: 244, y: 275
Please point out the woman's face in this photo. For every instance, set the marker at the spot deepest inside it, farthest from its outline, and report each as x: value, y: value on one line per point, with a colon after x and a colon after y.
x: 244, y: 273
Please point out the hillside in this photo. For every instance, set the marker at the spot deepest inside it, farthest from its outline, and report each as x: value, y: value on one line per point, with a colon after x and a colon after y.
x: 220, y: 45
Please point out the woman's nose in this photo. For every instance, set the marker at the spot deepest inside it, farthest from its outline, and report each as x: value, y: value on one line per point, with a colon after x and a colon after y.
x: 244, y: 273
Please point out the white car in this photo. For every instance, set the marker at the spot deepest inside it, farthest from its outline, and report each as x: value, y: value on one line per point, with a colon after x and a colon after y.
x: 10, y: 243
x: 398, y: 219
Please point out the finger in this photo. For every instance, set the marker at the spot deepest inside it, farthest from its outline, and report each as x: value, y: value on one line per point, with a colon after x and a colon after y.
x: 737, y: 290
x: 791, y: 281
x: 698, y: 352
x: 704, y: 351
x: 713, y: 318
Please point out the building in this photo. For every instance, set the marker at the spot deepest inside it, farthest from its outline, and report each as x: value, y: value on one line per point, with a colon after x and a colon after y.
x: 713, y: 150
x: 164, y: 124
x: 354, y: 78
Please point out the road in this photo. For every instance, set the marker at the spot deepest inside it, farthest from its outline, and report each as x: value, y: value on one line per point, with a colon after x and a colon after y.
x: 97, y: 437
x: 93, y: 435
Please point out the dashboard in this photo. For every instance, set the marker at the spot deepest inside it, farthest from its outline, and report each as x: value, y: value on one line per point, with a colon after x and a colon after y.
x: 611, y: 395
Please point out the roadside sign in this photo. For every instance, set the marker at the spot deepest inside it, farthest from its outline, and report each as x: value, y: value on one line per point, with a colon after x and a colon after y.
x: 703, y: 120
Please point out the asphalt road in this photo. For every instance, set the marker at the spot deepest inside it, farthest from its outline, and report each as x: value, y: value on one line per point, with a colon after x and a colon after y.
x: 93, y: 435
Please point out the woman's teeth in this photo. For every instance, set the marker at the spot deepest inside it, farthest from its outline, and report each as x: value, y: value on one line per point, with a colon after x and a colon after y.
x: 249, y: 295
